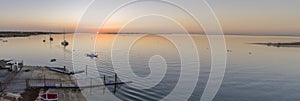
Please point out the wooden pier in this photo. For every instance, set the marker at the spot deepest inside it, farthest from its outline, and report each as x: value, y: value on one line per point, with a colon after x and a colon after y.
x: 58, y: 83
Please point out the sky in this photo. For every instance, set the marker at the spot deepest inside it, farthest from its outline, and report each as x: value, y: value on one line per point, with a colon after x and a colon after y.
x: 263, y: 17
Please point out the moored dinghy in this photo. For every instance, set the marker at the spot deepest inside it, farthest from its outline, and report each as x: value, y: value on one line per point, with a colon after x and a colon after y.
x: 92, y: 55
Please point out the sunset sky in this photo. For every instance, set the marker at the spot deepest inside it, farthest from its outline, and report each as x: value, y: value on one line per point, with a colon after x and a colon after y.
x: 271, y: 17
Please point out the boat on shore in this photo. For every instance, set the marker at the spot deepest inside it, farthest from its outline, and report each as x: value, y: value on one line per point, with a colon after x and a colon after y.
x: 49, y: 97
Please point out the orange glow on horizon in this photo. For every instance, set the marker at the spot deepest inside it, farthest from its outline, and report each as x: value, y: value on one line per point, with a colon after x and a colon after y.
x: 108, y: 29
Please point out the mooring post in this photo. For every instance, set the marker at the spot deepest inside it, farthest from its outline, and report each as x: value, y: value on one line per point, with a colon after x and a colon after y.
x: 104, y: 80
x: 116, y: 77
x: 115, y: 85
x: 91, y: 86
x: 11, y: 66
x: 60, y: 83
x: 27, y: 83
x: 1, y: 86
x: 86, y: 66
x: 91, y: 82
x: 44, y: 79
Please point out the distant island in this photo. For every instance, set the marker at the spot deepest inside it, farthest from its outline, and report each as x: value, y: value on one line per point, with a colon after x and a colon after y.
x: 129, y: 33
x: 23, y: 34
x: 291, y: 44
x: 26, y: 34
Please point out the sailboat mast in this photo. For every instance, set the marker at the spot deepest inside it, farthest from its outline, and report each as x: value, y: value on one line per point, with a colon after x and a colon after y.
x: 64, y: 33
x: 64, y: 43
x: 51, y: 39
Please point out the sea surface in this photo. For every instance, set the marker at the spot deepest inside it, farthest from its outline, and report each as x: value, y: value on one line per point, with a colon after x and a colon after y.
x: 154, y: 64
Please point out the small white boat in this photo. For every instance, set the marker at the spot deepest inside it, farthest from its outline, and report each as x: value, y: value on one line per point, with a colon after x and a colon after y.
x: 11, y: 97
x: 92, y: 55
x: 49, y: 97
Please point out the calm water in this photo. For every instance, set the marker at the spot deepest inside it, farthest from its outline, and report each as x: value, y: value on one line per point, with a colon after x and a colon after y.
x: 254, y: 72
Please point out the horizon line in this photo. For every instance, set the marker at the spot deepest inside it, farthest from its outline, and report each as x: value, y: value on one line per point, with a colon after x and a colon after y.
x: 202, y: 33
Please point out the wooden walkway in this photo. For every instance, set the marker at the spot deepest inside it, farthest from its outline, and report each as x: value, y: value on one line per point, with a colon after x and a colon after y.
x: 68, y: 85
x: 58, y: 83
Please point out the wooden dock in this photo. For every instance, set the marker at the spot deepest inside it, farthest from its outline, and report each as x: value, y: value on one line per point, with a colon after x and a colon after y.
x: 58, y: 83
x: 70, y: 85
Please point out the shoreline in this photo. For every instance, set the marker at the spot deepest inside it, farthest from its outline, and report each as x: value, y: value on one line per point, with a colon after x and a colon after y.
x: 289, y: 44
x: 7, y: 34
x: 4, y: 34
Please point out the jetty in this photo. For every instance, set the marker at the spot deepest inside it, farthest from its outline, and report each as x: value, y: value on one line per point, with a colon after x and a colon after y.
x: 25, y: 83
x: 59, y: 83
x: 30, y: 82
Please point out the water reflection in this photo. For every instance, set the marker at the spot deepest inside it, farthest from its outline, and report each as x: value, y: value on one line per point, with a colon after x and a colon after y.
x: 268, y: 73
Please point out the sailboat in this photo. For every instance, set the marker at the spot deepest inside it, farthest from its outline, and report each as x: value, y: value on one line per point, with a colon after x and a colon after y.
x: 51, y: 39
x: 65, y: 43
